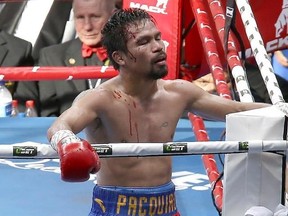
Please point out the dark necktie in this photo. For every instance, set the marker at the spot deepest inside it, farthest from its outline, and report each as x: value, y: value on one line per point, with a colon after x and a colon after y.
x: 10, y: 15
x: 54, y: 26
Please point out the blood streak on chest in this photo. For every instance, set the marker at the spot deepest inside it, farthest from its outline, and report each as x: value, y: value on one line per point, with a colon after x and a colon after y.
x: 133, y: 125
x: 136, y: 125
x: 131, y: 120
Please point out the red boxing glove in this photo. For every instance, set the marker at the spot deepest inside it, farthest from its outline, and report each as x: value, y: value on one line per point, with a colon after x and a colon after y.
x: 77, y: 158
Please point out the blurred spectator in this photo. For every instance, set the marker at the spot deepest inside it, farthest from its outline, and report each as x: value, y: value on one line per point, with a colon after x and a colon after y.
x: 254, y: 78
x: 119, y: 4
x: 42, y: 23
x: 256, y: 83
x: 280, y: 66
x: 207, y: 83
x: 14, y: 52
x: 90, y: 16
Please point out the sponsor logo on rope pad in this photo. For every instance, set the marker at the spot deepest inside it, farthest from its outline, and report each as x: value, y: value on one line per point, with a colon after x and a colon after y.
x: 243, y: 145
x: 174, y: 147
x: 26, y: 151
x: 103, y: 150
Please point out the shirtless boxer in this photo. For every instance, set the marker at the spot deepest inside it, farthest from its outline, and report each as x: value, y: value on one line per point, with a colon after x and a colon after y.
x: 135, y: 106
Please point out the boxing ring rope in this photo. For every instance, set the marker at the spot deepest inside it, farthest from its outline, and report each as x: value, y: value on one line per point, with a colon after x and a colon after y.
x: 235, y: 65
x: 239, y: 74
x: 257, y: 45
x: 56, y: 73
x: 232, y: 55
x: 259, y: 51
x: 216, y: 68
x: 34, y: 150
x: 209, y: 161
x: 210, y: 48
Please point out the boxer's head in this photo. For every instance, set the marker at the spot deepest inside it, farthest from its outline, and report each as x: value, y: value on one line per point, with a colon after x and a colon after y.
x: 133, y: 40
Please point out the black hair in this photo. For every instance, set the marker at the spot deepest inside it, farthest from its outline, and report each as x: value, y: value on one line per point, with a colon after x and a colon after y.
x: 115, y: 33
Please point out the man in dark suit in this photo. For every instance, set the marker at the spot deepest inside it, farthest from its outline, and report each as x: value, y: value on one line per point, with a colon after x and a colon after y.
x: 57, y: 96
x: 14, y: 51
x: 89, y: 17
x: 43, y: 23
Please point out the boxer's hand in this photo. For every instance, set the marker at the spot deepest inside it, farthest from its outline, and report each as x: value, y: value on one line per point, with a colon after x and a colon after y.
x: 77, y: 161
x: 77, y: 157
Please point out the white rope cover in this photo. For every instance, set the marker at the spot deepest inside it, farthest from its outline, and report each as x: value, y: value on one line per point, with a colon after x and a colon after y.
x: 261, y: 56
x: 33, y: 150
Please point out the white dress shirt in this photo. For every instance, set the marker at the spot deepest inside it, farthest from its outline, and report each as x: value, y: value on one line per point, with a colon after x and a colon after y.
x: 32, y: 19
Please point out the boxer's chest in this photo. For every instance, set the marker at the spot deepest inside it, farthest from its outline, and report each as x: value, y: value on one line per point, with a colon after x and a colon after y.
x: 137, y: 121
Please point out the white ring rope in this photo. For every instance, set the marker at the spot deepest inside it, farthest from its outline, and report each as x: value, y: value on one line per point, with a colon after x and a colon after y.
x: 33, y: 150
x: 242, y: 84
x: 259, y: 51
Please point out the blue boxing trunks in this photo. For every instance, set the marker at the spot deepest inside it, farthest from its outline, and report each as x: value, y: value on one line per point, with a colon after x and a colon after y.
x: 134, y: 201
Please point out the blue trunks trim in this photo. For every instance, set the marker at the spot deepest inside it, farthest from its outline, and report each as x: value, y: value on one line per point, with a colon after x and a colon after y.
x: 127, y: 201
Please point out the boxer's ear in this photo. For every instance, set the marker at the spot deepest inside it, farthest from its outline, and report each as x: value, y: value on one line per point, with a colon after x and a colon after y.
x: 118, y: 57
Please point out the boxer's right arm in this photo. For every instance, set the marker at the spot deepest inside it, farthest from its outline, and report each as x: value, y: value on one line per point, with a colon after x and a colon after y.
x: 77, y: 157
x: 77, y: 117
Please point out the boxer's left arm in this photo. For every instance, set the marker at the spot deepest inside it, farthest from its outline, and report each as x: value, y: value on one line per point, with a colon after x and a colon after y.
x: 208, y: 105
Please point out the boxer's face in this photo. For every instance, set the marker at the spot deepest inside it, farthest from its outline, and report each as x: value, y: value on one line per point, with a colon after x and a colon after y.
x: 90, y: 17
x: 146, y: 50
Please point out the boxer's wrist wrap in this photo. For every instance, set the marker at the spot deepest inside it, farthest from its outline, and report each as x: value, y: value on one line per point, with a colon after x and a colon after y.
x: 63, y: 137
